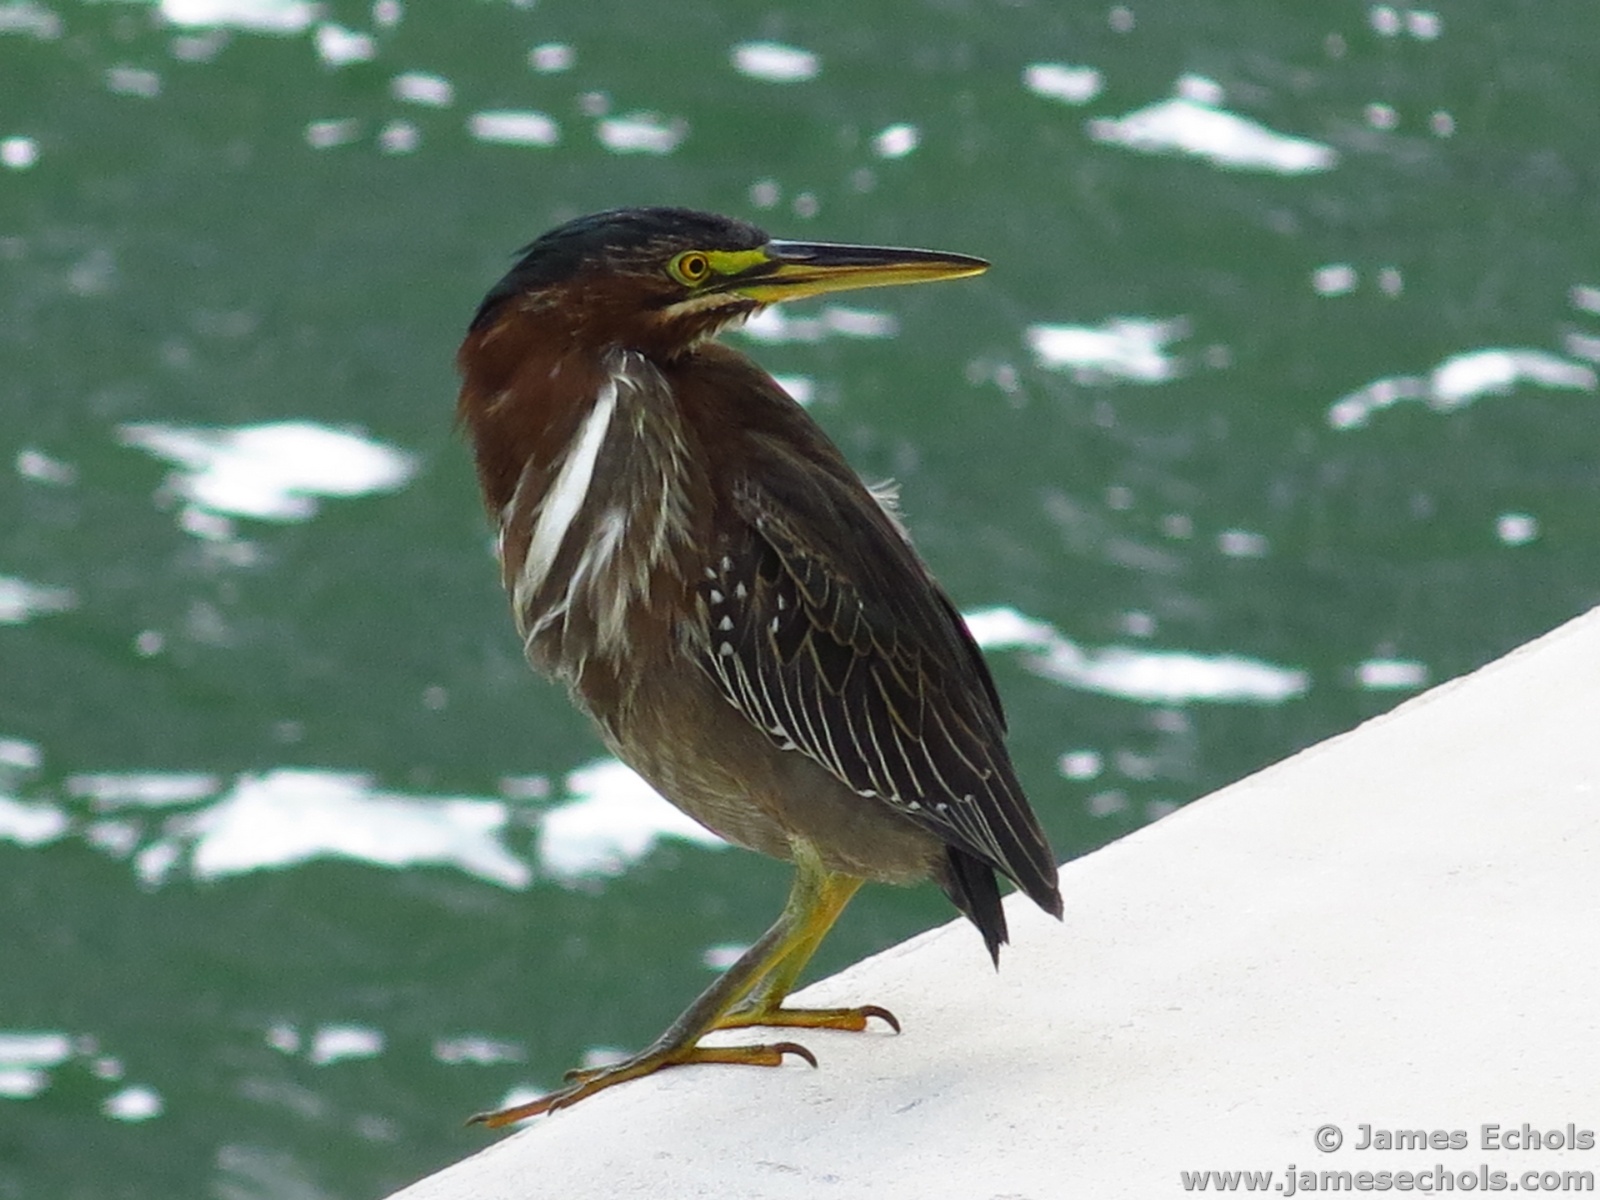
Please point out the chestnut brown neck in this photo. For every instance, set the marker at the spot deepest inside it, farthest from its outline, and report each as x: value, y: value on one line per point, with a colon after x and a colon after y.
x: 531, y: 370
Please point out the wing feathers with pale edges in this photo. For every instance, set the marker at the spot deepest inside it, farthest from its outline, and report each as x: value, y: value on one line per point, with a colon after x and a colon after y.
x: 846, y: 650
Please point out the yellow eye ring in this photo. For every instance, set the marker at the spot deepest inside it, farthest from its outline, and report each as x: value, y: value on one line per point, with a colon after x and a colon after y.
x: 691, y: 268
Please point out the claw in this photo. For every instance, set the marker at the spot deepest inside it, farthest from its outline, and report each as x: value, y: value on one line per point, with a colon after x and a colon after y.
x: 883, y: 1014
x: 797, y: 1050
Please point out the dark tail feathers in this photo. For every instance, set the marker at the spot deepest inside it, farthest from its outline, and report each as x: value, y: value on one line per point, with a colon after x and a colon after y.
x: 971, y: 885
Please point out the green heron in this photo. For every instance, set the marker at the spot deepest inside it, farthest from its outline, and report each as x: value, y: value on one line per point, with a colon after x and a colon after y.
x: 745, y: 621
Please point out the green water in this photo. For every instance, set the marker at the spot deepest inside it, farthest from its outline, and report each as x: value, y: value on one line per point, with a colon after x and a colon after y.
x: 281, y: 897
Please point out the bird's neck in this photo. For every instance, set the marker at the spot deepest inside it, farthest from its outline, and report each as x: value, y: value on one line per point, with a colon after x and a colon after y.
x: 521, y: 402
x: 582, y: 462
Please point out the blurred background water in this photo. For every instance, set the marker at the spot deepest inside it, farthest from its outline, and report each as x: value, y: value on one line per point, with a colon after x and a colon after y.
x: 1277, y: 406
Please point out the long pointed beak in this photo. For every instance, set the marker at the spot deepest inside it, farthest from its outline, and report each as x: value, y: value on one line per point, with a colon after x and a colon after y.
x: 789, y: 270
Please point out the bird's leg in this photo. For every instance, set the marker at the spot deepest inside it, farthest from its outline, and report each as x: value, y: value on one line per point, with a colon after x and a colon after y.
x: 763, y: 1003
x: 814, y: 904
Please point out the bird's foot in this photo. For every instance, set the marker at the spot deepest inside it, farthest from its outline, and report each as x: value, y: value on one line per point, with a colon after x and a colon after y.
x: 581, y: 1084
x: 853, y: 1020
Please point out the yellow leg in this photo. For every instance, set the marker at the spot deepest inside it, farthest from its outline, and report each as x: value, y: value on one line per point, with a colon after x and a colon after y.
x: 763, y: 1005
x: 752, y: 986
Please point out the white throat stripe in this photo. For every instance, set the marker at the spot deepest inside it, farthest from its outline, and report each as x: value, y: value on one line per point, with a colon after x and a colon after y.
x: 566, y: 495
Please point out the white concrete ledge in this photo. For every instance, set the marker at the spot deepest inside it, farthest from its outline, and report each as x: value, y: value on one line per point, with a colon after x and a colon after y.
x: 1398, y: 927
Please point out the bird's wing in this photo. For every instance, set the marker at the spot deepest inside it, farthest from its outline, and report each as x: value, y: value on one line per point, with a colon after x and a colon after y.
x: 839, y: 644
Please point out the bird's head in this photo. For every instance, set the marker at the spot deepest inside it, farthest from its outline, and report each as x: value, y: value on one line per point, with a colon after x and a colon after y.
x: 659, y: 280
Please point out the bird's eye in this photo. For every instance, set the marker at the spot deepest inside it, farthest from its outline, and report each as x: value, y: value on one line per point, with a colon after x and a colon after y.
x: 690, y: 268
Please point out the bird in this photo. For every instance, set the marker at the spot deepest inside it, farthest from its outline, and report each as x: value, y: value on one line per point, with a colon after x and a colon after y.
x: 745, y: 620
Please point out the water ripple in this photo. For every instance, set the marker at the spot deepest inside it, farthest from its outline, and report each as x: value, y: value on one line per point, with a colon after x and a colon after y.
x: 1191, y: 123
x: 1150, y: 676
x: 273, y: 472
x: 508, y: 127
x: 774, y: 62
x: 1461, y: 379
x: 1126, y: 348
x: 614, y: 822
x: 255, y: 16
x: 1059, y: 81
x: 22, y: 601
x: 642, y: 133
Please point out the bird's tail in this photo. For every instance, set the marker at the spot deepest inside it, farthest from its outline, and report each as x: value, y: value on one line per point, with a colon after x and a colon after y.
x: 970, y: 883
x: 971, y: 886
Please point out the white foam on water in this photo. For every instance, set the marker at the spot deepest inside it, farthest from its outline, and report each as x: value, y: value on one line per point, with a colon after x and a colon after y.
x: 280, y: 471
x: 1149, y: 676
x: 1185, y: 125
x: 613, y: 822
x: 775, y: 62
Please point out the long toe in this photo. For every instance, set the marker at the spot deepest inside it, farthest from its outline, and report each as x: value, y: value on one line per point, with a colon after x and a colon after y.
x: 851, y: 1020
x: 587, y: 1082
